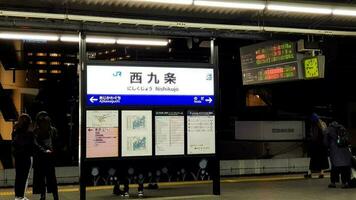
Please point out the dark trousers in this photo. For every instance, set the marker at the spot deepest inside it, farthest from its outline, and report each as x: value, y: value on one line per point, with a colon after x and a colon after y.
x: 22, y: 168
x: 44, y: 175
x: 345, y: 174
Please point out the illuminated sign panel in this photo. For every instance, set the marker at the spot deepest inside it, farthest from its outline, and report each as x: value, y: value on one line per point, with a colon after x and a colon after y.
x: 149, y: 86
x: 269, y: 62
x: 314, y: 67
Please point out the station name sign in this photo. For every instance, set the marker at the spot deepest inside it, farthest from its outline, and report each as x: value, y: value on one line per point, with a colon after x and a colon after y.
x: 149, y: 86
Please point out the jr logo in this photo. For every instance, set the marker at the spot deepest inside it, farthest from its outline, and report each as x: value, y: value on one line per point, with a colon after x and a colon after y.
x: 117, y: 73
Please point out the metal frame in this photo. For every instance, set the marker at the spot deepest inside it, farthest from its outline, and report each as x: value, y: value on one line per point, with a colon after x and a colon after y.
x: 80, y: 19
x: 83, y: 62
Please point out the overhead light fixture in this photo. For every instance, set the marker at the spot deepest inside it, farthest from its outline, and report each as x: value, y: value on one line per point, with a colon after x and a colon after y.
x: 143, y: 42
x: 253, y: 5
x: 344, y: 12
x: 28, y: 36
x: 100, y: 40
x: 299, y: 8
x: 69, y: 38
x: 183, y: 2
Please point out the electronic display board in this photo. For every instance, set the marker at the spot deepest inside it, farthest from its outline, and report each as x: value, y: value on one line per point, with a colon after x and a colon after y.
x: 136, y: 133
x: 314, y: 67
x: 268, y: 62
x: 102, y: 139
x: 169, y: 133
x: 149, y: 86
x: 201, y: 132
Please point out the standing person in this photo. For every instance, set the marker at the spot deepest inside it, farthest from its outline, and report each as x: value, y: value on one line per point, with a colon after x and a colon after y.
x: 44, y: 175
x: 340, y: 155
x: 22, y: 144
x: 317, y: 151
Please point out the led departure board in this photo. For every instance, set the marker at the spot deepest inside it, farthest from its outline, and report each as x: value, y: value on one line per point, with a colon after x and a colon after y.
x: 269, y: 62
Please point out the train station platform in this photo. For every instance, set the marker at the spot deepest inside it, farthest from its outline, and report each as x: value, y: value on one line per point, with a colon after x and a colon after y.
x: 281, y: 187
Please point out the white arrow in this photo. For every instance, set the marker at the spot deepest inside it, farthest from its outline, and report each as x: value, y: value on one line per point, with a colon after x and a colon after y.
x: 209, y: 100
x: 92, y: 99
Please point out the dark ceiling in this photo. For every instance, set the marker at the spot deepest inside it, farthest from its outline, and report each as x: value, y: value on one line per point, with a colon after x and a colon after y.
x: 188, y: 13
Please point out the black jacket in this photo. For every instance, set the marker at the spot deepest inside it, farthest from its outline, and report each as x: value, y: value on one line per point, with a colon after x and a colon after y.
x: 22, y: 142
x: 45, y: 141
x: 339, y: 156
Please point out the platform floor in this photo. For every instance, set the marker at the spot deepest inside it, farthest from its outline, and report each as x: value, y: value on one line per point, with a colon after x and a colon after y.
x: 293, y: 187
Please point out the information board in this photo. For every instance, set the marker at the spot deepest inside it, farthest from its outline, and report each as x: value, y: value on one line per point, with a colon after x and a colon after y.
x: 169, y: 133
x: 201, y: 132
x: 269, y: 62
x: 314, y: 67
x: 136, y: 133
x: 149, y: 86
x: 102, y: 130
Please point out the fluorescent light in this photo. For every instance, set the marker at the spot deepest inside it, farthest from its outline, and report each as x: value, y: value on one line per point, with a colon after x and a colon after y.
x: 344, y: 12
x: 141, y: 41
x: 299, y: 8
x: 230, y: 4
x: 69, y: 38
x: 28, y: 36
x: 184, y: 2
x: 103, y: 40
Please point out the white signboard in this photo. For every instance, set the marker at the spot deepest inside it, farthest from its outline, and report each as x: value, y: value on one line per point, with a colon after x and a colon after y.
x: 158, y: 86
x: 269, y: 130
x: 169, y: 127
x: 102, y: 134
x: 136, y: 133
x: 201, y: 132
x: 113, y: 80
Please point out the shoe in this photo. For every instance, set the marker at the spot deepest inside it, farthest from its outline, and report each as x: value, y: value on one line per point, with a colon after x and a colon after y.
x: 321, y: 176
x: 332, y: 185
x: 140, y: 194
x: 125, y: 195
x: 25, y: 198
x: 19, y: 198
x: 307, y: 175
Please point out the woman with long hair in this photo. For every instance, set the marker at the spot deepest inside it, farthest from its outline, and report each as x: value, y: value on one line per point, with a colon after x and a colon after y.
x: 22, y: 144
x: 45, y: 139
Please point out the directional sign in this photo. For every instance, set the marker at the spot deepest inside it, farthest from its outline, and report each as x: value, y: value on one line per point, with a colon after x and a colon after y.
x: 154, y: 100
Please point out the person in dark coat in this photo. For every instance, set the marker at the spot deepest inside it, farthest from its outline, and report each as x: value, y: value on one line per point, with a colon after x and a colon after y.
x: 22, y: 144
x: 317, y: 151
x: 340, y: 157
x: 44, y: 175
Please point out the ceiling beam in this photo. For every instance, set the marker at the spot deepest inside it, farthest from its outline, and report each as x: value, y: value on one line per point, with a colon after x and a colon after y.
x: 179, y: 26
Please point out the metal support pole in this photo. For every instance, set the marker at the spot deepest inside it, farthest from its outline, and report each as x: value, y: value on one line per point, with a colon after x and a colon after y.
x: 82, y: 131
x: 216, y: 160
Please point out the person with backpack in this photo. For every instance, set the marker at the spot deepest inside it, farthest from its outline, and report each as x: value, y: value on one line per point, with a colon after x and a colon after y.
x: 337, y: 140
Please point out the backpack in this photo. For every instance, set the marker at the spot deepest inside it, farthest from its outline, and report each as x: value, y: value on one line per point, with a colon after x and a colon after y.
x: 342, y: 137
